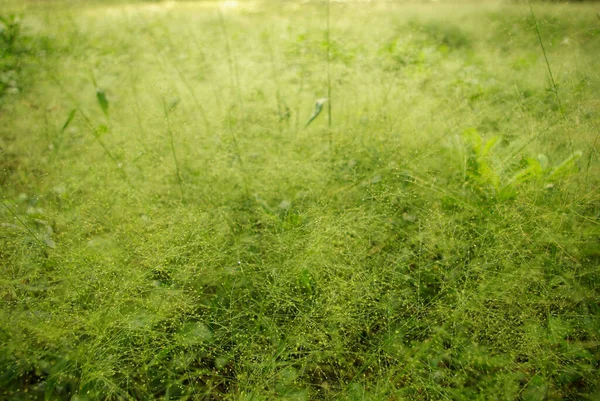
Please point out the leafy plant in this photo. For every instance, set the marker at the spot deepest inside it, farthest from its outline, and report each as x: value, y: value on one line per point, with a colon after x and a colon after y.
x: 485, y: 172
x: 10, y: 30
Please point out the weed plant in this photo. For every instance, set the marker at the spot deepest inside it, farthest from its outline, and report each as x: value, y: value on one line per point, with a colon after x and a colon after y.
x: 169, y: 230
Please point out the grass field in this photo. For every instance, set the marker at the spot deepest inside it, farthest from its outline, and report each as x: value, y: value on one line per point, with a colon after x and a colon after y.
x: 171, y: 228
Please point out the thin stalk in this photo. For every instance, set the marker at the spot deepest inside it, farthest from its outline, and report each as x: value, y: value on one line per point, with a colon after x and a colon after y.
x: 233, y: 71
x: 216, y: 93
x: 234, y: 77
x: 299, y: 97
x: 274, y: 74
x: 554, y: 86
x: 539, y: 36
x: 194, y: 98
x: 138, y: 110
x: 172, y: 143
x: 327, y: 35
x: 93, y: 130
x: 280, y: 105
x: 56, y: 142
x: 592, y: 151
x: 236, y: 150
x: 535, y: 136
x: 24, y: 225
x: 329, y: 100
x: 185, y: 82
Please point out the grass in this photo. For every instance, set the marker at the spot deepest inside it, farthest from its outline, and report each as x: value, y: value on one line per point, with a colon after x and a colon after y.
x: 169, y: 230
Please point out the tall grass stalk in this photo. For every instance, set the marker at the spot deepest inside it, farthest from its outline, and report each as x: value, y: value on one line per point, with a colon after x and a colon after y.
x: 183, y: 79
x: 236, y: 150
x: 197, y: 103
x: 216, y: 93
x: 534, y: 137
x: 138, y: 111
x: 233, y: 71
x: 24, y: 225
x: 60, y: 134
x: 327, y: 41
x: 94, y: 131
x: 281, y: 109
x: 593, y: 151
x: 167, y: 108
x: 299, y: 97
x: 550, y: 74
x: 235, y: 86
x: 329, y: 100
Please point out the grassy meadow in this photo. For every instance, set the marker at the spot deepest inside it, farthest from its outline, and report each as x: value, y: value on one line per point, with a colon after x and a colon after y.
x: 173, y: 228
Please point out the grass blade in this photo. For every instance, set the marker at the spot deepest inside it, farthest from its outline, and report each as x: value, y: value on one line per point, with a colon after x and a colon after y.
x: 102, y: 101
x: 69, y: 120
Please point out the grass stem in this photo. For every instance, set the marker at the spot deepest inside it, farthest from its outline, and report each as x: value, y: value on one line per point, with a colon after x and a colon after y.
x: 233, y: 71
x: 550, y: 74
x: 24, y: 225
x: 93, y: 130
x: 172, y: 143
x: 329, y: 100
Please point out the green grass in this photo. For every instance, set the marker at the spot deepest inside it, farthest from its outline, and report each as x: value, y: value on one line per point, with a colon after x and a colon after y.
x: 170, y: 229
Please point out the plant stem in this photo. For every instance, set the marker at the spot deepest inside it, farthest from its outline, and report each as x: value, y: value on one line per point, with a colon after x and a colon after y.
x: 24, y: 225
x: 91, y: 128
x: 554, y: 86
x: 539, y: 36
x: 233, y: 72
x: 327, y: 33
x: 280, y: 105
x: 236, y: 150
x: 177, y: 171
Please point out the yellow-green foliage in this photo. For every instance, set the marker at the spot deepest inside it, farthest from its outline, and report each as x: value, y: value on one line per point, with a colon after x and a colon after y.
x: 172, y: 228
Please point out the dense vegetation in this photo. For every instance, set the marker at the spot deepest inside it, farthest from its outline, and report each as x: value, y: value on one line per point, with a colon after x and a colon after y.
x: 170, y: 229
